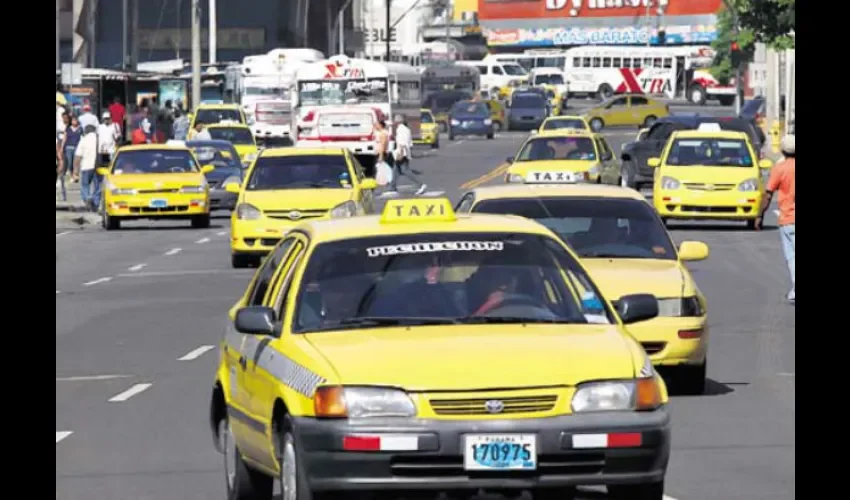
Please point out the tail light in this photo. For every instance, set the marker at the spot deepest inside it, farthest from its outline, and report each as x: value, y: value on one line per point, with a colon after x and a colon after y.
x: 309, y: 116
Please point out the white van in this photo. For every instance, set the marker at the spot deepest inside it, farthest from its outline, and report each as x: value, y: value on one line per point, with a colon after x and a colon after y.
x: 551, y: 77
x: 496, y: 74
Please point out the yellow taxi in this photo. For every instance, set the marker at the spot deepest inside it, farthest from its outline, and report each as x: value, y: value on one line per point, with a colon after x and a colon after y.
x: 285, y: 186
x: 627, y: 250
x: 155, y: 181
x: 562, y: 156
x: 439, y: 352
x: 626, y: 110
x: 428, y: 129
x: 497, y: 113
x: 237, y: 134
x: 564, y: 121
x: 709, y: 174
x: 209, y: 114
x: 506, y: 91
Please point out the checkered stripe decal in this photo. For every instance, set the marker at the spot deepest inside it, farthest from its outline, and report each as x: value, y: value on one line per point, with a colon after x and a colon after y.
x: 288, y: 372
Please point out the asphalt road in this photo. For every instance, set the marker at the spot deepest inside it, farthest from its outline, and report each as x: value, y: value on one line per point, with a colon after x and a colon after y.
x: 138, y: 312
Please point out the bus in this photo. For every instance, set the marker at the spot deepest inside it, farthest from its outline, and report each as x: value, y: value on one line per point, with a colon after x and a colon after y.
x: 455, y: 77
x: 391, y: 88
x: 534, y: 58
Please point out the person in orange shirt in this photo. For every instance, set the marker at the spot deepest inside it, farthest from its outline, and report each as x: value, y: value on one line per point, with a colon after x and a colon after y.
x: 783, y: 179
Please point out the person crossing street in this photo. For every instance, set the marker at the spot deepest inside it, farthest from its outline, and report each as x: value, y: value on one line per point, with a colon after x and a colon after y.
x: 783, y: 180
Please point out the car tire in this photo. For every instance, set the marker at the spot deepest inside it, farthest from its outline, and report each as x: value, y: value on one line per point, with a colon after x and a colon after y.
x: 649, y: 121
x: 689, y: 380
x: 596, y: 124
x: 241, y: 261
x: 201, y: 221
x: 451, y: 136
x: 696, y: 94
x: 292, y: 474
x: 565, y: 493
x: 491, y: 136
x: 110, y: 223
x: 726, y: 100
x: 751, y: 224
x: 644, y: 491
x: 436, y: 145
x: 243, y: 483
x: 497, y: 126
x: 604, y: 92
x: 626, y: 178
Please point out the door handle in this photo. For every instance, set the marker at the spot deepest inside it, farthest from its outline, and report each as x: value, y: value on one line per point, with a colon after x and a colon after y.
x: 243, y: 362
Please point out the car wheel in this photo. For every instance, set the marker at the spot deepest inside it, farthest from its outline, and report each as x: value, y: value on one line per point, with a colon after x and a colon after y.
x: 696, y: 94
x: 605, y: 91
x: 436, y: 145
x: 241, y: 261
x: 293, y: 478
x: 243, y: 483
x: 110, y: 223
x: 443, y: 128
x: 646, y: 491
x: 726, y: 100
x: 649, y: 121
x: 690, y: 379
x: 751, y: 224
x: 451, y: 136
x: 597, y: 124
x: 497, y: 126
x: 491, y: 135
x: 201, y: 221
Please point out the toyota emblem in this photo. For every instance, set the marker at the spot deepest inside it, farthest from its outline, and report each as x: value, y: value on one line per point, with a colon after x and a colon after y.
x: 494, y: 406
x: 295, y: 215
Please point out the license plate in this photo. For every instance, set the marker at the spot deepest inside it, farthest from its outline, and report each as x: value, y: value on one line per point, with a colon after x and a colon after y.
x: 158, y: 203
x: 500, y: 452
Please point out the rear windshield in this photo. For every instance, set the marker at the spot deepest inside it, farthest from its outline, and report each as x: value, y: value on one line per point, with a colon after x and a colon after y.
x: 558, y: 148
x: 211, y: 116
x: 235, y: 135
x: 562, y: 123
x: 471, y: 109
x: 299, y: 172
x: 528, y: 101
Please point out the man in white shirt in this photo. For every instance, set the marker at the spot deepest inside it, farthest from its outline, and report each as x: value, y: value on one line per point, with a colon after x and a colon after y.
x: 85, y: 159
x: 402, y: 152
x: 108, y: 135
x: 88, y: 118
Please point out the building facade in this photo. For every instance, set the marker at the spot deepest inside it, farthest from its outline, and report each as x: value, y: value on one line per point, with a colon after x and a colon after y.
x: 511, y: 25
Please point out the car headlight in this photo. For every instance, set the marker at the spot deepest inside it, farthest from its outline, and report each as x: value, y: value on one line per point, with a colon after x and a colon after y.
x: 669, y: 183
x: 346, y: 209
x: 749, y: 185
x: 514, y: 178
x: 362, y: 402
x: 123, y: 191
x: 246, y: 211
x: 194, y: 189
x: 455, y: 122
x: 617, y: 395
x: 594, y: 170
x: 488, y: 121
x: 685, y: 307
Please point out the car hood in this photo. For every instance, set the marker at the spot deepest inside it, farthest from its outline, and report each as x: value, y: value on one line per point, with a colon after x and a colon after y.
x: 297, y: 199
x: 456, y: 358
x: 618, y: 277
x: 711, y: 175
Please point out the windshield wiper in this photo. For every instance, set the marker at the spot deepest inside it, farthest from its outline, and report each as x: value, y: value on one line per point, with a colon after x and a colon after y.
x: 605, y: 255
x: 368, y: 321
x: 314, y: 184
x: 511, y: 319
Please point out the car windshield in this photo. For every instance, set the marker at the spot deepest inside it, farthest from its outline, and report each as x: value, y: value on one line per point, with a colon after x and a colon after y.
x: 710, y: 153
x: 446, y: 278
x: 562, y: 123
x: 153, y: 161
x: 235, y: 135
x: 549, y: 79
x: 594, y: 227
x: 514, y: 70
x: 528, y: 101
x: 211, y: 116
x: 467, y: 108
x: 426, y: 118
x: 558, y: 148
x: 223, y: 160
x: 299, y: 172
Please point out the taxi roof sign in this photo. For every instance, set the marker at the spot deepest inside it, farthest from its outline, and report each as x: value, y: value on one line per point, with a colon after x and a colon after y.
x: 709, y: 127
x: 418, y: 210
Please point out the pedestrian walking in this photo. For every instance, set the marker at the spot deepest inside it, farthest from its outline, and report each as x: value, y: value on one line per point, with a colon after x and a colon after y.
x: 402, y: 152
x: 181, y: 124
x: 85, y: 162
x: 783, y: 180
x: 87, y: 118
x: 117, y: 112
x: 73, y: 132
x: 199, y: 133
x: 108, y: 137
x: 165, y: 121
x: 143, y: 134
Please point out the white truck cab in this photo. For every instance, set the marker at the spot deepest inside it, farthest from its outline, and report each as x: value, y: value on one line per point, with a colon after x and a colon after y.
x: 496, y: 74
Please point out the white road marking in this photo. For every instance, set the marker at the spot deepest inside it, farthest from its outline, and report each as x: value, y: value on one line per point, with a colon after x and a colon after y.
x: 195, y: 354
x: 137, y: 267
x: 63, y: 233
x: 60, y: 435
x: 173, y: 251
x: 129, y: 393
x: 87, y: 378
x: 786, y: 374
x: 668, y: 497
x: 97, y: 281
x: 221, y: 233
x: 203, y: 240
x: 461, y: 141
x: 189, y: 272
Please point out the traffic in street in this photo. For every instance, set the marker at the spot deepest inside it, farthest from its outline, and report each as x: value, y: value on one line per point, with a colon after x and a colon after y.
x: 141, y: 311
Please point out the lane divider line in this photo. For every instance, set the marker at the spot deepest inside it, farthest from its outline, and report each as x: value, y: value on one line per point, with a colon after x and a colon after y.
x: 87, y: 378
x: 173, y: 251
x: 137, y: 267
x: 129, y: 393
x: 221, y: 233
x: 153, y: 274
x: 196, y: 353
x: 98, y: 281
x: 60, y: 435
x: 63, y: 233
x: 496, y: 172
x: 203, y: 240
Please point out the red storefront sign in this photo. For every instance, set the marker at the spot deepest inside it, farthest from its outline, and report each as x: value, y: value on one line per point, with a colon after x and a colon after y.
x: 551, y: 9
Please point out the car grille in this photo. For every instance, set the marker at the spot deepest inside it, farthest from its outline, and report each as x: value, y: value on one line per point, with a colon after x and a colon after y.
x: 213, y: 184
x: 158, y: 191
x: 653, y: 347
x: 162, y: 210
x: 288, y: 214
x: 566, y: 463
x: 266, y: 242
x: 478, y: 406
x: 709, y: 187
x: 709, y: 210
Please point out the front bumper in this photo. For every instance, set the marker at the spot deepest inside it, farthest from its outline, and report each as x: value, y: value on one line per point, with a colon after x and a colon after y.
x: 258, y: 236
x: 476, y: 129
x: 176, y: 206
x: 356, y: 147
x: 437, y: 462
x: 222, y: 200
x: 427, y: 138
x: 660, y: 338
x: 525, y: 123
x: 727, y: 205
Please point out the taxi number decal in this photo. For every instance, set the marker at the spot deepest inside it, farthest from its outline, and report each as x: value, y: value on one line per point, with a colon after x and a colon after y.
x: 440, y: 246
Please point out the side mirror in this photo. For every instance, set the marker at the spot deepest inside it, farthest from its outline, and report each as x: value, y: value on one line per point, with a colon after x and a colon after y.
x: 207, y: 169
x: 369, y: 184
x: 765, y: 164
x: 256, y: 320
x: 693, y: 250
x: 533, y: 132
x: 102, y: 171
x: 509, y: 159
x: 232, y: 188
x: 607, y: 157
x: 654, y: 162
x: 637, y: 307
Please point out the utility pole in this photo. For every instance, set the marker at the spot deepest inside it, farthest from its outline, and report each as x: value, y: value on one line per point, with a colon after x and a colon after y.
x: 134, y: 37
x: 58, y: 27
x: 212, y: 32
x: 125, y: 14
x: 389, y: 28
x: 449, y: 16
x: 196, y: 54
x: 739, y: 73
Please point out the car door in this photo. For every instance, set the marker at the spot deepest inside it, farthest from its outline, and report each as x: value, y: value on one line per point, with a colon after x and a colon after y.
x: 639, y: 109
x: 652, y: 146
x: 610, y: 173
x: 365, y: 197
x: 616, y: 113
x: 252, y: 431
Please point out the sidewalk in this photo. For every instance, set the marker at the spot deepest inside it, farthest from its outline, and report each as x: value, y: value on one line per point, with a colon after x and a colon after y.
x: 70, y: 214
x: 74, y: 201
